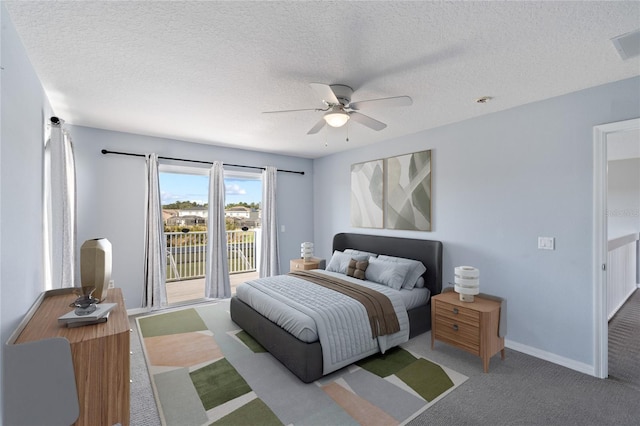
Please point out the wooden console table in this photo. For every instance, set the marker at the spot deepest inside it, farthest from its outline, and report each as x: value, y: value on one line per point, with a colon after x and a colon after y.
x: 99, y: 353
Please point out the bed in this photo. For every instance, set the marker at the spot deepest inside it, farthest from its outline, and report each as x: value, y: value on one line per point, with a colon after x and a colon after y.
x: 305, y: 359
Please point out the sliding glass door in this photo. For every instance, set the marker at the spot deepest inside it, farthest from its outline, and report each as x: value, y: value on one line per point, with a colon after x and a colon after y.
x: 184, y: 192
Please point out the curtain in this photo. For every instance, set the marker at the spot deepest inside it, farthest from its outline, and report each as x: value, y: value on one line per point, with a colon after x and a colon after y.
x: 270, y: 258
x: 60, y: 208
x: 155, y: 249
x: 217, y: 283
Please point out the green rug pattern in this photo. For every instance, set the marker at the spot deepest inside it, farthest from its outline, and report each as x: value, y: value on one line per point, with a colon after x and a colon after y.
x: 206, y: 371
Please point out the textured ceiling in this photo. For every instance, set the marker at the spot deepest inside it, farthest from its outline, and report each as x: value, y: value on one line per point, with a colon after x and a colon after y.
x: 204, y: 71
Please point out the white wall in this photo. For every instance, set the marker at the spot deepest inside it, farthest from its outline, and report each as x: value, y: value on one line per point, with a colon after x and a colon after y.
x: 499, y: 181
x: 24, y: 110
x: 111, y: 195
x: 623, y: 197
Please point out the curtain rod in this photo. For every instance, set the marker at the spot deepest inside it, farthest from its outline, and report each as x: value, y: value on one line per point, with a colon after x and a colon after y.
x: 104, y: 151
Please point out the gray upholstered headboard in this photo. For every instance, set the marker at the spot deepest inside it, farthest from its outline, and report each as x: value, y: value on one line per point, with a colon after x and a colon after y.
x: 429, y: 252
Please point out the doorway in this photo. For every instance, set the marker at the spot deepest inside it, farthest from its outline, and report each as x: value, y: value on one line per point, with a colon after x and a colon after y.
x: 601, y: 135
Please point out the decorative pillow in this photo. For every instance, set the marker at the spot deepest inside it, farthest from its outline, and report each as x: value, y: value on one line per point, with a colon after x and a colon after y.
x: 357, y: 268
x: 391, y: 274
x: 420, y: 283
x: 340, y: 261
x: 360, y: 253
x: 415, y: 272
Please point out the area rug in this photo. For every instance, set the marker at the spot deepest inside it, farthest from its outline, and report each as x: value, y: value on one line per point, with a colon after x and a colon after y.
x: 206, y: 371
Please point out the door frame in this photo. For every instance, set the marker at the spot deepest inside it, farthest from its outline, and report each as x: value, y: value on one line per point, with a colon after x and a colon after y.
x: 600, y: 240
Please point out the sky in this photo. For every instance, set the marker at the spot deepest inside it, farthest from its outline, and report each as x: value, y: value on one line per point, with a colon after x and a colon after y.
x: 183, y: 187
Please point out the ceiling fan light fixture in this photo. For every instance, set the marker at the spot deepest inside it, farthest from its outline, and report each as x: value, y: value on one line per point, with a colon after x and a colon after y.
x: 336, y: 118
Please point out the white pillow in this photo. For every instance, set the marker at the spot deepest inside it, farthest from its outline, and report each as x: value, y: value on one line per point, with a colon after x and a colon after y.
x: 340, y: 261
x: 420, y: 282
x: 361, y: 253
x: 416, y: 269
x: 391, y: 274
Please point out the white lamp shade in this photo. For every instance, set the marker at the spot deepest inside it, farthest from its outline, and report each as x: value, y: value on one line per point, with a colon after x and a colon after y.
x: 336, y: 118
x: 306, y: 250
x: 467, y: 282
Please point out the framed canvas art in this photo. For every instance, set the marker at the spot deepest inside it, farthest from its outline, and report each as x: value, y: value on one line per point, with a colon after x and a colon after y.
x: 408, y: 192
x: 367, y: 208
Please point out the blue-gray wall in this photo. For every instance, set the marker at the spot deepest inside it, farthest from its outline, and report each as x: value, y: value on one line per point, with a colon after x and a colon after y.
x: 111, y: 192
x: 499, y: 181
x: 24, y: 108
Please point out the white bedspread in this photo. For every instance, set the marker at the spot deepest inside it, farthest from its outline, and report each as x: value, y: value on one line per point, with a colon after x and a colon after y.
x: 307, y: 310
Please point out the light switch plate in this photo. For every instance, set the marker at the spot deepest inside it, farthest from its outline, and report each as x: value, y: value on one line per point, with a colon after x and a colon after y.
x: 546, y: 243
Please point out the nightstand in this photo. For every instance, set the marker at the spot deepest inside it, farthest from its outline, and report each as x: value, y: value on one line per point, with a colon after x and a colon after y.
x: 301, y: 265
x: 470, y: 326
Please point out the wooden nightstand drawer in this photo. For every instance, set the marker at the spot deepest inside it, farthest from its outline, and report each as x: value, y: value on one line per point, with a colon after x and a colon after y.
x: 456, y: 313
x: 301, y: 265
x: 458, y: 334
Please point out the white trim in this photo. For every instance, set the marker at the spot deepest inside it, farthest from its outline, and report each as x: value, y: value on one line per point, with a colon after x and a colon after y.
x: 191, y: 169
x: 551, y: 357
x: 600, y: 243
x: 243, y: 174
x: 137, y: 311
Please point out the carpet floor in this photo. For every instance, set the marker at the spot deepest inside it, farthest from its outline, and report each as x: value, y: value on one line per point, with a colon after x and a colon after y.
x: 624, y: 343
x: 521, y: 390
x: 205, y: 370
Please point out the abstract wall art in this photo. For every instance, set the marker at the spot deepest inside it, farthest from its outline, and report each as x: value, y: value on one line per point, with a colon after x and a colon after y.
x: 408, y: 192
x: 367, y: 206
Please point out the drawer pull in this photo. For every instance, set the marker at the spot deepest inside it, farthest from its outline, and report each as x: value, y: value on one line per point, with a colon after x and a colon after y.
x: 455, y: 311
x: 455, y: 327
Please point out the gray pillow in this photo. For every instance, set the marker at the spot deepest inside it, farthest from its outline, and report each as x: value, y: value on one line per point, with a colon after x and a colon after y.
x: 340, y: 261
x: 416, y: 269
x: 391, y: 274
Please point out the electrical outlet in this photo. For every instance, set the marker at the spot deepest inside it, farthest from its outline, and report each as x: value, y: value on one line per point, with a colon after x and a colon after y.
x: 546, y: 243
x: 112, y: 284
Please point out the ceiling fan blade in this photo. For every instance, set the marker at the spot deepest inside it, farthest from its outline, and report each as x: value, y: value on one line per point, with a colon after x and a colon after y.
x: 382, y: 102
x: 367, y: 121
x: 291, y: 110
x: 319, y: 125
x: 325, y: 92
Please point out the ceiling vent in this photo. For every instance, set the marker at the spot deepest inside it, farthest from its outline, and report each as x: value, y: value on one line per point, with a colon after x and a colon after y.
x: 628, y: 45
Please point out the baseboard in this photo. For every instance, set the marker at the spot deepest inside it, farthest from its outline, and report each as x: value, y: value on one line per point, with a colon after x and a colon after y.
x: 137, y: 311
x: 551, y: 357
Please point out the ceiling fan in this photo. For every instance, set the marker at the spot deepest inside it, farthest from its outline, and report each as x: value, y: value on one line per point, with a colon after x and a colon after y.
x: 339, y: 109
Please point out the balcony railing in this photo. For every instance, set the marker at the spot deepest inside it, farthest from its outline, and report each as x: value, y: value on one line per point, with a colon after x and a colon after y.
x: 187, y: 253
